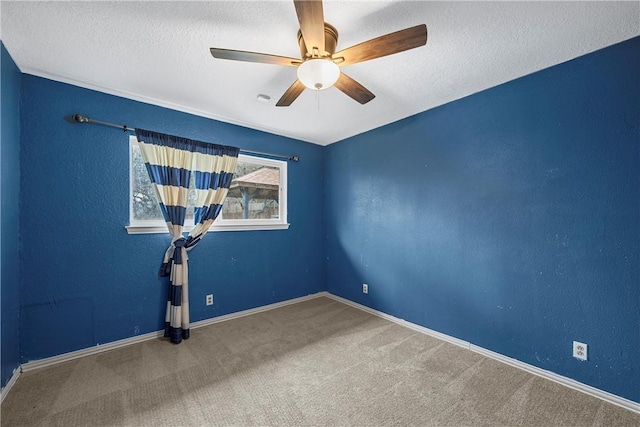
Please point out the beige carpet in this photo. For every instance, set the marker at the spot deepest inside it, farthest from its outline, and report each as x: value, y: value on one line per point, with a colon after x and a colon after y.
x: 314, y: 363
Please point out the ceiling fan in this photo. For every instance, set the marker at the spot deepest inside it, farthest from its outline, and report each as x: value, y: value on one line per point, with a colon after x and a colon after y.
x: 319, y: 66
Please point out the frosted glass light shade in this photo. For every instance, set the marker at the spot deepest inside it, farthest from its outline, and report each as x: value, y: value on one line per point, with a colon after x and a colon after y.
x: 318, y: 74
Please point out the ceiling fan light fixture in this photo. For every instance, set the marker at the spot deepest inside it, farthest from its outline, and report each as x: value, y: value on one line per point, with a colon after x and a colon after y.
x: 318, y: 74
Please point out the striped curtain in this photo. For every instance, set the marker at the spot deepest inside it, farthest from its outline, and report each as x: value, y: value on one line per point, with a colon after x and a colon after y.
x: 171, y: 161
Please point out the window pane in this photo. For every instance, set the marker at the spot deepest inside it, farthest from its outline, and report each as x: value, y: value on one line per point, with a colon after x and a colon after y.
x: 254, y: 193
x: 143, y: 197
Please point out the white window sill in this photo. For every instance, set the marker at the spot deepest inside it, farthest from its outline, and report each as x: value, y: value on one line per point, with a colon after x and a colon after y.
x: 159, y: 229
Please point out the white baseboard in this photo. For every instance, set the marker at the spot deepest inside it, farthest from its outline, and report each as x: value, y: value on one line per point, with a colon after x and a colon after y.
x: 10, y: 383
x: 418, y: 328
x: 576, y: 385
x: 54, y: 360
x: 65, y: 357
x: 251, y: 311
x: 568, y: 382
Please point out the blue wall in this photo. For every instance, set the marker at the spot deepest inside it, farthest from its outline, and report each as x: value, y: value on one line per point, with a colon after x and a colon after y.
x: 9, y: 191
x: 85, y: 280
x: 509, y: 219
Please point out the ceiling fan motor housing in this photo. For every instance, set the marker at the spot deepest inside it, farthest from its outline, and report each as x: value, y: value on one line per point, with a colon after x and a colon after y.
x: 330, y: 43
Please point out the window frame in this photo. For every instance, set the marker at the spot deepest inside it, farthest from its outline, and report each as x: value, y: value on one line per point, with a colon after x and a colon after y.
x: 220, y: 224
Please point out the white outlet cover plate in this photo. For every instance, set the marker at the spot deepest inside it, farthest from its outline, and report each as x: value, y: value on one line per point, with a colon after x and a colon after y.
x: 579, y: 350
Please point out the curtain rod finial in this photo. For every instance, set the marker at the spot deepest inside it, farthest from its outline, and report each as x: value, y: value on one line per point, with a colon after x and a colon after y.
x: 295, y: 158
x: 80, y: 118
x: 76, y: 118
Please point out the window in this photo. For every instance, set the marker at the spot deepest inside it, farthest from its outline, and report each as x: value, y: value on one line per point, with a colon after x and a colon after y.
x: 257, y: 198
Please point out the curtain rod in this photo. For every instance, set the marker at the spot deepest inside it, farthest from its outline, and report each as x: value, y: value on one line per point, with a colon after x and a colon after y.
x: 79, y: 118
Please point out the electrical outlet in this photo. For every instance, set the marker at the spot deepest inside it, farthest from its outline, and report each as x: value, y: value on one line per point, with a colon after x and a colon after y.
x: 579, y: 350
x: 365, y: 288
x: 210, y: 299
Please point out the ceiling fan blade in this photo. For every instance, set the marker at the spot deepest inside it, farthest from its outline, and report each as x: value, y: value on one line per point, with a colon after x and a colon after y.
x: 388, y: 44
x: 354, y: 89
x: 264, y: 58
x: 311, y: 19
x: 291, y: 94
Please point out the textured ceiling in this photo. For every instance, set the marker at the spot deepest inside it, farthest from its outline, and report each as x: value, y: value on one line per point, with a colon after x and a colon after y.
x: 158, y: 52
